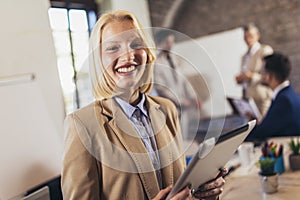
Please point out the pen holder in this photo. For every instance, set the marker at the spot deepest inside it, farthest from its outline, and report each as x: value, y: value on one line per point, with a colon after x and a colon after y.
x: 269, y: 183
x: 279, y: 165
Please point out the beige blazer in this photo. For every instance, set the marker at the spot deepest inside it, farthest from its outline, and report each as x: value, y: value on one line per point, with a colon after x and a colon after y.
x: 261, y: 94
x: 104, y: 158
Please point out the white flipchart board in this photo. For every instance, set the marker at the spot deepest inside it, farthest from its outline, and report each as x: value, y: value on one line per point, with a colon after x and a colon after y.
x: 31, y: 109
x: 31, y: 151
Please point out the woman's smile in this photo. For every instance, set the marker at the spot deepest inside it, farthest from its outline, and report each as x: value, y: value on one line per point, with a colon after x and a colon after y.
x: 126, y: 69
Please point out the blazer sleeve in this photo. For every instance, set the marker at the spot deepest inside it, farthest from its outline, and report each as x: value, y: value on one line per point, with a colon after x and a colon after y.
x: 80, y: 174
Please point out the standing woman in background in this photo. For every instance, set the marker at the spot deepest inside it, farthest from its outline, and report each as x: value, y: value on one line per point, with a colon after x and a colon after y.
x: 126, y: 144
x: 251, y: 69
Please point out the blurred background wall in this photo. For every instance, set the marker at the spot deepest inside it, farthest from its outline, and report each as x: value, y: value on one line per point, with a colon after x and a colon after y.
x: 278, y: 20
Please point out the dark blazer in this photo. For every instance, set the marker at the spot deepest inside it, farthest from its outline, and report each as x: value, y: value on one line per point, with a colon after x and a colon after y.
x: 282, y: 118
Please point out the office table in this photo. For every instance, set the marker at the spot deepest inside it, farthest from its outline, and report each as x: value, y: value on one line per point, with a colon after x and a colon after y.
x: 249, y: 187
x: 244, y: 182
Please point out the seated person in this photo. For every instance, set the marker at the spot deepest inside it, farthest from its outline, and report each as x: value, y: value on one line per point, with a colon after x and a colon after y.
x: 283, y: 116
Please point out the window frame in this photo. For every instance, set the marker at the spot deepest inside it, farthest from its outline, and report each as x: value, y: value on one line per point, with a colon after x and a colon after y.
x: 88, y: 6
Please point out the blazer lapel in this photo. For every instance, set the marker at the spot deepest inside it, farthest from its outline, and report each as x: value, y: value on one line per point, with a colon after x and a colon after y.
x: 253, y: 65
x: 133, y: 144
x: 163, y: 141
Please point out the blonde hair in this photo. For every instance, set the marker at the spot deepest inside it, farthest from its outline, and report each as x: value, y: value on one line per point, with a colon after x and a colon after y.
x: 103, y: 85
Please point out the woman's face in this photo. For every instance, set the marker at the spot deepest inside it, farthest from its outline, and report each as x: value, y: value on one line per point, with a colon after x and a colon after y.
x: 123, y: 54
x: 251, y: 37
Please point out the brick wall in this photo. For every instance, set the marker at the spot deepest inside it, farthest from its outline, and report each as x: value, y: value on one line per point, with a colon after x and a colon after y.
x: 278, y: 20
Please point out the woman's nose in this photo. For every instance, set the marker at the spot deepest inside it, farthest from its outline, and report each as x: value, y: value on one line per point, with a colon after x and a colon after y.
x: 128, y: 55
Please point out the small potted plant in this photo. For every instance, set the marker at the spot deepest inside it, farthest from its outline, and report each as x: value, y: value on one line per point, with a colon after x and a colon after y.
x: 267, y: 162
x: 268, y: 176
x: 267, y: 166
x: 294, y: 157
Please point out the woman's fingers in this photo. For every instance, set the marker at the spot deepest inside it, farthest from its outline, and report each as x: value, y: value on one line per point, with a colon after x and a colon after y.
x: 209, y: 195
x: 218, y: 183
x: 163, y: 193
x: 210, y: 189
x: 223, y: 172
x: 184, y: 194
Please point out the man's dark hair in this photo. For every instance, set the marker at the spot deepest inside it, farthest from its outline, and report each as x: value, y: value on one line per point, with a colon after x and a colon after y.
x: 161, y: 35
x: 279, y: 65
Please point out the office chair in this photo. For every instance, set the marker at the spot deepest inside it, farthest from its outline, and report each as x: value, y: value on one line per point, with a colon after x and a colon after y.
x: 40, y: 194
x: 54, y: 187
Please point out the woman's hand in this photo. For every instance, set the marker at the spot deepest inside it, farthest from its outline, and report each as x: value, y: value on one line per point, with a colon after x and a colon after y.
x: 212, y: 189
x: 209, y: 191
x: 244, y: 77
x: 183, y: 195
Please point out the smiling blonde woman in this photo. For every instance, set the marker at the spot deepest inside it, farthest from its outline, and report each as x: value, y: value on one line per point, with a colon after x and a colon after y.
x: 126, y: 144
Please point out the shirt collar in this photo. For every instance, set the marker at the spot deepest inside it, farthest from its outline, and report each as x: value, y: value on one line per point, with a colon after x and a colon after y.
x: 279, y: 88
x: 129, y: 109
x: 158, y: 52
x: 255, y: 48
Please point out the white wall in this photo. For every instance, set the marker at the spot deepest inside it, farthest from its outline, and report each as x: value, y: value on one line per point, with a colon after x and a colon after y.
x: 32, y: 112
x: 226, y: 50
x: 217, y: 57
x: 138, y: 7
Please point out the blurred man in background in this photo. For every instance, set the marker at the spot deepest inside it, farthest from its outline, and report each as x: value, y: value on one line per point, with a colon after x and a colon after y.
x: 283, y: 116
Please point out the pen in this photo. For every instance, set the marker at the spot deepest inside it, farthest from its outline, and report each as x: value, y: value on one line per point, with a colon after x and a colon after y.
x: 280, y: 150
x: 231, y: 169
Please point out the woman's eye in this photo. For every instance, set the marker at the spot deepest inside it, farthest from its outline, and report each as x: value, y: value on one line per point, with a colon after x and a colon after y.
x: 136, y: 45
x: 112, y: 48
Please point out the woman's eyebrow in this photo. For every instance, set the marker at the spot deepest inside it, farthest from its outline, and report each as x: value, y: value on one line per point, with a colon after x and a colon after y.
x: 135, y: 36
x: 107, y: 44
x: 131, y: 38
x: 111, y: 42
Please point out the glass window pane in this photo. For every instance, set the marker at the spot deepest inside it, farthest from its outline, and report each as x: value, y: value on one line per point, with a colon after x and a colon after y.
x: 58, y: 18
x: 92, y: 19
x: 80, y: 48
x: 78, y: 20
x: 62, y: 42
x: 80, y: 62
x: 84, y: 86
x: 63, y: 21
x: 80, y: 42
x: 66, y: 74
x: 69, y: 103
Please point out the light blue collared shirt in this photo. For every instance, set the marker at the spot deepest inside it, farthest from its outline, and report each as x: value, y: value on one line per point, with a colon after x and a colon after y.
x: 129, y: 109
x: 142, y: 124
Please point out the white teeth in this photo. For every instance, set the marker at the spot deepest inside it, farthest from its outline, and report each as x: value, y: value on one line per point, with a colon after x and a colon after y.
x: 126, y: 69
